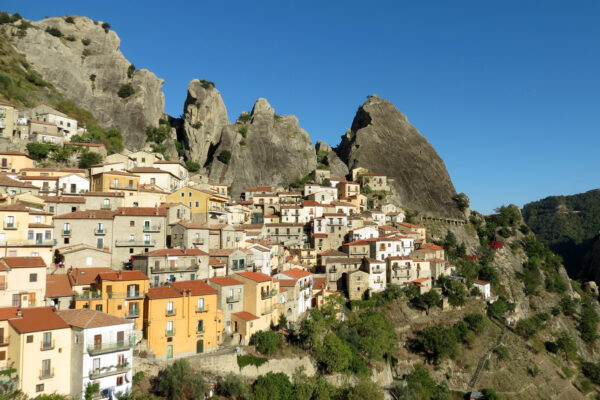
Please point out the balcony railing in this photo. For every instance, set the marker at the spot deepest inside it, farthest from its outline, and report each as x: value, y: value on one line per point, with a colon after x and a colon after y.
x: 133, y: 243
x: 126, y: 295
x: 377, y: 270
x: 108, y: 371
x: 183, y: 268
x: 47, y: 242
x: 233, y: 299
x: 11, y: 225
x: 47, y: 345
x: 88, y: 295
x: 170, y: 313
x: 170, y: 332
x: 111, y: 347
x: 152, y: 228
x: 204, y: 308
x: 66, y: 232
x: 46, y: 373
x: 124, y: 187
x: 105, y: 207
x: 267, y: 310
x: 268, y: 294
x: 100, y: 231
x: 132, y: 313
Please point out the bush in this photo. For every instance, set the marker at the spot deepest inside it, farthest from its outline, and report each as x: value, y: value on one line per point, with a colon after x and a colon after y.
x: 438, y: 342
x: 70, y: 38
x: 243, y: 130
x: 106, y: 27
x: 245, y: 117
x: 69, y: 20
x: 334, y: 355
x: 192, y: 166
x: 180, y: 382
x: 588, y: 322
x: 87, y: 159
x: 54, y: 32
x: 266, y: 342
x: 86, y: 41
x: 250, y: 359
x: 528, y: 327
x: 232, y: 386
x: 591, y: 371
x: 476, y: 322
x: 207, y: 84
x: 39, y: 151
x: 462, y: 201
x: 224, y: 156
x: 125, y: 91
x: 273, y: 386
x: 130, y: 71
x: 502, y: 352
x: 568, y: 306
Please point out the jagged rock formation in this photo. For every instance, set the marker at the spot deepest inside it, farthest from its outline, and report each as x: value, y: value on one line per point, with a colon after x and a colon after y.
x: 274, y: 152
x: 92, y: 74
x: 382, y: 140
x: 336, y: 165
x: 205, y: 116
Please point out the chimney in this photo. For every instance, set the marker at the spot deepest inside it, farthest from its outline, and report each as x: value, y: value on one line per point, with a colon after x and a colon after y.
x: 19, y: 312
x: 120, y: 274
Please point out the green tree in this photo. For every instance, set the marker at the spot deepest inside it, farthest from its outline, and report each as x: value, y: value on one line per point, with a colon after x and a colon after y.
x: 566, y: 344
x: 438, y: 342
x: 427, y: 300
x: 130, y: 71
x: 377, y: 337
x: 456, y: 292
x: 224, y: 156
x: 125, y: 90
x: 462, y: 201
x: 39, y: 151
x: 476, y: 322
x: 180, y: 382
x: 266, y: 342
x: 273, y: 386
x: 192, y: 166
x: 232, y: 386
x: 365, y: 389
x: 87, y: 159
x: 283, y: 322
x: 334, y: 355
x: 588, y: 322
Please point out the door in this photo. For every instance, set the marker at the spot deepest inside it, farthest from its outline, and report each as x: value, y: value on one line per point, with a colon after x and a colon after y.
x: 96, y: 364
x: 39, y: 238
x: 73, y: 188
x: 120, y: 338
x: 200, y: 346
x: 97, y: 341
x: 170, y: 351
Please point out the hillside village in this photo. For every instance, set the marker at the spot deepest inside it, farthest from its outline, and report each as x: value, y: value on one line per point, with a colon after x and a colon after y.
x: 137, y: 256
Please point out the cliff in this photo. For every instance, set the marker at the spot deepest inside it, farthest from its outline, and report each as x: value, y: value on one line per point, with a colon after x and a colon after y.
x: 382, y: 140
x: 83, y: 61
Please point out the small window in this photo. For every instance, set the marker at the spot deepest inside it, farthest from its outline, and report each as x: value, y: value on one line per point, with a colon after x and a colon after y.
x: 131, y: 223
x: 39, y: 388
x: 2, y: 355
x: 32, y: 277
x: 29, y: 338
x: 119, y: 380
x: 182, y: 194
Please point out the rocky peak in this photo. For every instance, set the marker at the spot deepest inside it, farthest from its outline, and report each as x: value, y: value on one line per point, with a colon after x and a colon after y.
x: 262, y: 107
x: 382, y: 140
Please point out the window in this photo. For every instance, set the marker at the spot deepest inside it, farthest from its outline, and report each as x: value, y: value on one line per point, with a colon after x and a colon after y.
x: 100, y: 243
x: 47, y: 235
x: 189, y: 194
x: 131, y: 223
x: 197, y: 204
x: 29, y: 338
x: 67, y: 228
x: 119, y: 380
x: 200, y: 326
x: 230, y: 306
x: 29, y: 235
x: 106, y: 203
x: 47, y: 339
x: 32, y: 277
x: 170, y: 310
x: 169, y: 327
x: 39, y: 388
x: 37, y: 219
x: 51, y: 208
x: 98, y: 307
x: 182, y: 194
x: 16, y: 301
x: 46, y: 368
x: 131, y: 237
x: 201, y: 304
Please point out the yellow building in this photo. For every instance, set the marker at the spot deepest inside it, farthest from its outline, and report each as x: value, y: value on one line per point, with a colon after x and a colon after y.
x: 40, y: 351
x: 115, y: 181
x: 182, y: 319
x: 118, y: 293
x: 52, y: 172
x: 26, y: 232
x: 6, y: 313
x: 204, y: 204
x: 8, y: 120
x: 261, y: 308
x: 15, y: 161
x: 22, y: 281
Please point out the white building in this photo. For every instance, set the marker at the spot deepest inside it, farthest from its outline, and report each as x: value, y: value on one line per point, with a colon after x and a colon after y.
x: 67, y: 127
x: 377, y: 274
x: 383, y: 248
x: 101, y: 352
x: 73, y: 184
x: 325, y: 195
x: 262, y: 258
x: 299, y: 285
x: 484, y: 288
x: 363, y: 233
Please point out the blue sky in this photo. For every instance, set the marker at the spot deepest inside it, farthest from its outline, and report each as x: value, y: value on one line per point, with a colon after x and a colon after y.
x: 507, y: 92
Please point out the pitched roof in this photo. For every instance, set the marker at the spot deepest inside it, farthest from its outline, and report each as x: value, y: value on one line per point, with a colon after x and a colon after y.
x: 255, y: 276
x: 353, y: 260
x: 58, y: 285
x: 87, y: 214
x: 22, y: 262
x: 175, y: 252
x: 215, y: 262
x: 122, y: 173
x: 84, y: 276
x: 14, y: 153
x: 163, y: 292
x: 480, y: 282
x: 62, y: 199
x: 8, y: 313
x: 320, y: 282
x: 197, y: 288
x: 296, y: 273
x: 224, y: 281
x: 141, y: 211
x: 287, y: 282
x: 123, y: 276
x: 72, y: 170
x: 332, y: 252
x: 356, y: 242
x: 85, y: 318
x: 246, y: 316
x: 221, y: 252
x: 8, y: 181
x: 104, y: 194
x: 38, y: 319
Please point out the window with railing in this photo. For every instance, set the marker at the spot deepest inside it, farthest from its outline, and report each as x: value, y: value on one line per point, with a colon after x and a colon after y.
x: 47, y: 342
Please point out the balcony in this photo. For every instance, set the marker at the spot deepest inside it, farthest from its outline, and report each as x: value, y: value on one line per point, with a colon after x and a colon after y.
x: 105, y: 207
x: 377, y: 271
x: 11, y: 225
x: 133, y: 294
x: 4, y: 340
x: 66, y: 232
x: 109, y: 371
x: 202, y: 309
x: 267, y: 310
x: 171, y: 313
x: 99, y: 231
x: 268, y: 294
x: 47, y: 345
x: 110, y: 347
x: 198, y: 241
x: 46, y: 373
x: 233, y: 299
x: 134, y: 243
x: 123, y: 187
x: 132, y: 313
x: 152, y: 228
x: 47, y: 242
x: 88, y: 295
x: 183, y: 268
x: 170, y: 332
x: 3, y: 285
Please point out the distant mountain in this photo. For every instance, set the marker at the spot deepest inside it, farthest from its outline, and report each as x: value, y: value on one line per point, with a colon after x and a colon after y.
x: 568, y: 225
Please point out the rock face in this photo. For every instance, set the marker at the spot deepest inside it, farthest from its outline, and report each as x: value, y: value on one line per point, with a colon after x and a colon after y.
x: 336, y: 165
x: 92, y: 74
x: 205, y: 116
x: 274, y: 152
x: 383, y: 141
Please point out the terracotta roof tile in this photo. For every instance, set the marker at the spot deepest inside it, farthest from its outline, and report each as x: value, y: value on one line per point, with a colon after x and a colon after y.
x: 8, y: 312
x: 85, y: 318
x: 85, y: 276
x: 175, y: 252
x: 58, y: 286
x: 224, y: 281
x: 23, y: 262
x: 141, y: 211
x: 38, y: 319
x: 255, y: 276
x: 246, y: 316
x: 163, y: 292
x: 297, y: 273
x: 123, y: 276
x: 197, y: 288
x: 87, y: 214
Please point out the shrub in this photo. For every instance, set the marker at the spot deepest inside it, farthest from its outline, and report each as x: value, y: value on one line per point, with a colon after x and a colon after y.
x: 39, y: 151
x: 86, y: 41
x: 180, y: 382
x: 69, y: 20
x: 54, y: 32
x: 87, y: 159
x: 273, y: 386
x: 192, y: 166
x: 125, y: 91
x: 158, y: 134
x: 334, y: 355
x: 224, y: 156
x: 244, y: 117
x: 250, y: 359
x: 106, y: 27
x: 207, y: 84
x: 438, y: 342
x: 462, y: 201
x: 243, y: 130
x: 93, y: 77
x: 232, y: 386
x: 476, y: 322
x: 130, y: 71
x: 502, y: 353
x: 588, y: 322
x: 70, y: 38
x: 568, y: 306
x: 266, y: 342
x: 591, y: 371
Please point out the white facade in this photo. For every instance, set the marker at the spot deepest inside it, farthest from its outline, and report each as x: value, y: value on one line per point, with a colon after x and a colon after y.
x: 377, y: 275
x: 384, y: 248
x: 262, y: 258
x: 484, y: 288
x: 324, y: 195
x: 73, y: 184
x: 67, y: 126
x: 366, y: 232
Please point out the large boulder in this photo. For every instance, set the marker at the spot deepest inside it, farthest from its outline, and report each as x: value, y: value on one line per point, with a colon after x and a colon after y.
x: 383, y: 141
x: 87, y: 67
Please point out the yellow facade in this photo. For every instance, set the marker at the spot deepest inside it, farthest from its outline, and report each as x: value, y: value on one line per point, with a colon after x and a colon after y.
x: 118, y: 293
x: 199, y: 201
x: 261, y: 295
x: 15, y: 161
x: 26, y: 233
x: 182, y: 319
x: 115, y: 181
x: 8, y: 120
x: 53, y: 172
